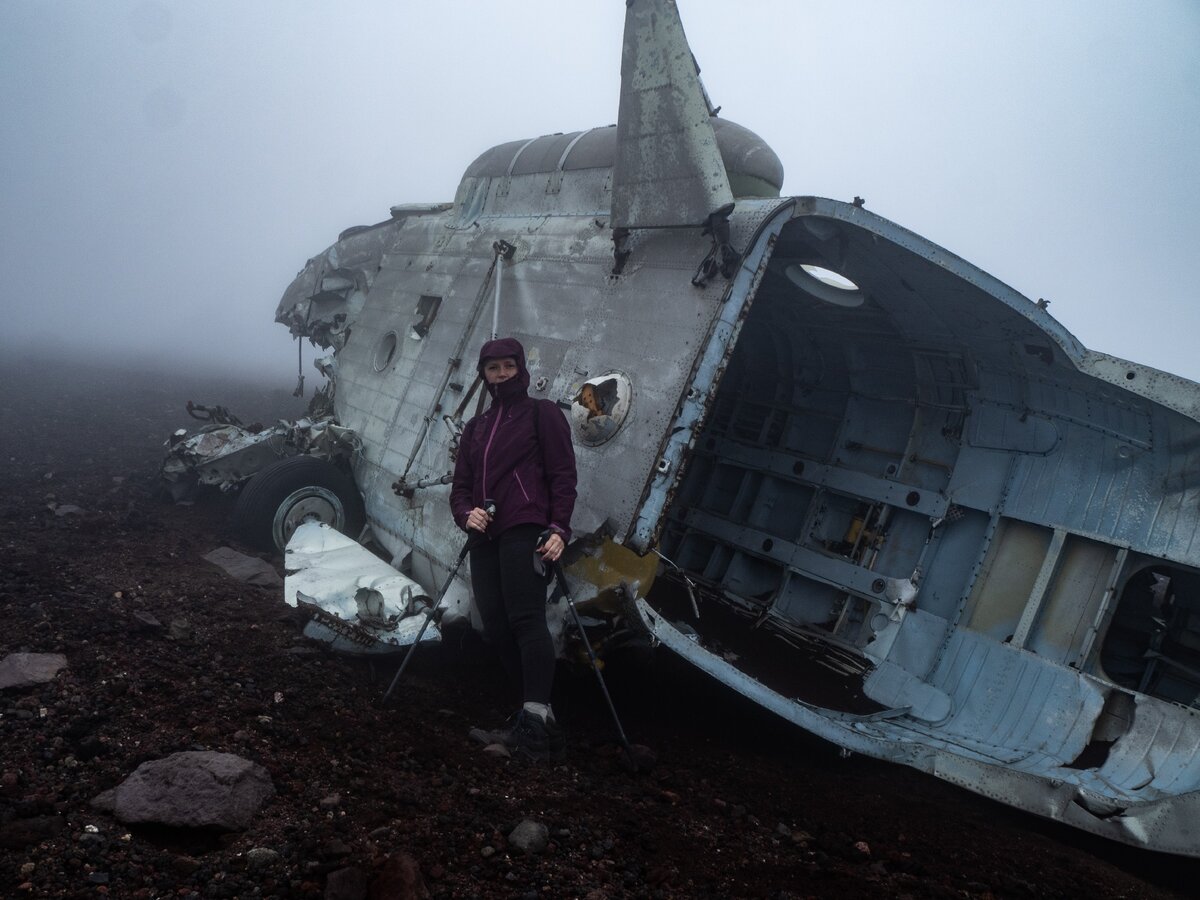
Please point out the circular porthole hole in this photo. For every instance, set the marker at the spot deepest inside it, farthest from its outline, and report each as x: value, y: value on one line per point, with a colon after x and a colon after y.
x: 798, y: 468
x: 825, y: 285
x: 767, y: 545
x: 830, y: 277
x: 385, y: 350
x: 913, y: 498
x: 1129, y: 376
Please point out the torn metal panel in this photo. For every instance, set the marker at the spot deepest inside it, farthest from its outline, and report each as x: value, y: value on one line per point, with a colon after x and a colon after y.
x: 227, y: 455
x: 222, y: 456
x: 1039, y: 784
x: 359, y: 602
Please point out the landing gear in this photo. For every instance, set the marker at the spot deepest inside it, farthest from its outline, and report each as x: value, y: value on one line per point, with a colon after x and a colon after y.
x: 292, y: 491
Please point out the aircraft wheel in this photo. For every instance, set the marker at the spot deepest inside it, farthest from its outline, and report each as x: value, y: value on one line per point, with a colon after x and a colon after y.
x: 292, y: 491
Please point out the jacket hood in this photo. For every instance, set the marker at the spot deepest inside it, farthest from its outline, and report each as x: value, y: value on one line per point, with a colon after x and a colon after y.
x: 498, y: 349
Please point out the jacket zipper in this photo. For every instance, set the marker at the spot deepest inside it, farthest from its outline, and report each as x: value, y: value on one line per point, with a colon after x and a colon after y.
x: 488, y: 446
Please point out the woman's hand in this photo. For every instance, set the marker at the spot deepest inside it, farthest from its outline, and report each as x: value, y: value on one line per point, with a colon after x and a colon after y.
x: 553, y: 548
x: 478, y: 520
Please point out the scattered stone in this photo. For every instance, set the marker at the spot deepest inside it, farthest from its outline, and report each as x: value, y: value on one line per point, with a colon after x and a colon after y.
x: 67, y: 509
x: 498, y: 750
x: 333, y: 801
x: 863, y: 849
x: 380, y: 833
x: 9, y: 779
x: 487, y: 851
x: 399, y: 877
x: 346, y: 884
x: 245, y: 568
x: 185, y: 865
x: 261, y: 857
x: 143, y: 621
x: 191, y: 789
x: 529, y: 836
x: 180, y: 629
x: 336, y: 847
x: 19, y: 670
x: 27, y: 869
x: 783, y: 831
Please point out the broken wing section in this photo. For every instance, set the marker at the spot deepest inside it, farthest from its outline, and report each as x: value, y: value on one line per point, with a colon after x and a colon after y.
x: 357, y: 602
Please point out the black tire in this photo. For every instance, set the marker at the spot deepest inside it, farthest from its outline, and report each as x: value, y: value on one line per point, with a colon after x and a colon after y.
x: 292, y: 491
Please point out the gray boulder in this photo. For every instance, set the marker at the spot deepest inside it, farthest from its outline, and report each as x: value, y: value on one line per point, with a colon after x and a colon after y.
x: 529, y: 837
x: 192, y: 789
x: 18, y: 670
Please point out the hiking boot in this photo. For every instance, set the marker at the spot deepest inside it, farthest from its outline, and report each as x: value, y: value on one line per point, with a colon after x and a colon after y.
x: 501, y: 735
x: 537, y: 740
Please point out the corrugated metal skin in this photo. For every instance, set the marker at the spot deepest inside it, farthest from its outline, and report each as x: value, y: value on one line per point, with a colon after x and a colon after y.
x: 1011, y: 704
x: 1117, y: 487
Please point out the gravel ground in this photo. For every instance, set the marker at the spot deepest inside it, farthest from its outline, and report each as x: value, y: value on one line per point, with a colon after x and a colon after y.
x: 398, y: 800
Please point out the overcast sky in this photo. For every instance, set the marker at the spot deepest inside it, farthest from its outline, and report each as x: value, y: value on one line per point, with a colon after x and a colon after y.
x: 167, y: 167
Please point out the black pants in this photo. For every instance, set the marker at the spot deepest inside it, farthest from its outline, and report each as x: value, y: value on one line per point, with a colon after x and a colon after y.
x: 511, y: 598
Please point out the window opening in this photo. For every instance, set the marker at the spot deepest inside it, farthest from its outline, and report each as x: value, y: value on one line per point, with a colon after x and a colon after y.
x: 1153, y: 643
x: 426, y: 312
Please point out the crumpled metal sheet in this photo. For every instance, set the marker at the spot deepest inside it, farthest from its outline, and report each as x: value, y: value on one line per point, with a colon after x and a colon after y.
x: 227, y: 455
x: 1037, y: 782
x: 359, y: 603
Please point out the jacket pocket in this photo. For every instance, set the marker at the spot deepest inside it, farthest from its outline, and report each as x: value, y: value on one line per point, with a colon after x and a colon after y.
x: 521, y: 485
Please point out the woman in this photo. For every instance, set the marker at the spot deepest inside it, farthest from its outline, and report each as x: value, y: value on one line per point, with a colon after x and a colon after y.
x: 518, y: 456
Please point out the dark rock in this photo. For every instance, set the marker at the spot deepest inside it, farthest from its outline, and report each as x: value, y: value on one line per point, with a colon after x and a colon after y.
x: 529, y: 837
x: 245, y: 568
x: 18, y: 670
x: 143, y: 621
x: 192, y: 789
x: 399, y: 878
x: 261, y: 857
x: 346, y: 884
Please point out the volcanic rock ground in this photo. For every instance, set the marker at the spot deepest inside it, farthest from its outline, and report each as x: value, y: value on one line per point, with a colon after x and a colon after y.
x: 739, y: 805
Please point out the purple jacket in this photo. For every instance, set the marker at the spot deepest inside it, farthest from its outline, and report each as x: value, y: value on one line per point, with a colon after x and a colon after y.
x: 526, y: 466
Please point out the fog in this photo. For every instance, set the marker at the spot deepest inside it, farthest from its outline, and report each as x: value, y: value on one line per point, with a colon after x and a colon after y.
x: 168, y: 167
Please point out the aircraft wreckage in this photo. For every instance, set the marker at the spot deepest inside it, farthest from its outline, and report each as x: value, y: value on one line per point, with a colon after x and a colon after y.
x: 829, y: 438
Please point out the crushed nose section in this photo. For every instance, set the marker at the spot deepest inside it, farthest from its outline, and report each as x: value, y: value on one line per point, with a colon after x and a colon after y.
x: 224, y: 453
x: 358, y: 603
x: 326, y: 296
x: 668, y: 170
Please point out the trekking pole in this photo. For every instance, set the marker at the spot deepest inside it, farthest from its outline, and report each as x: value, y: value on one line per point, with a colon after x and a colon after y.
x: 431, y: 612
x: 562, y: 581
